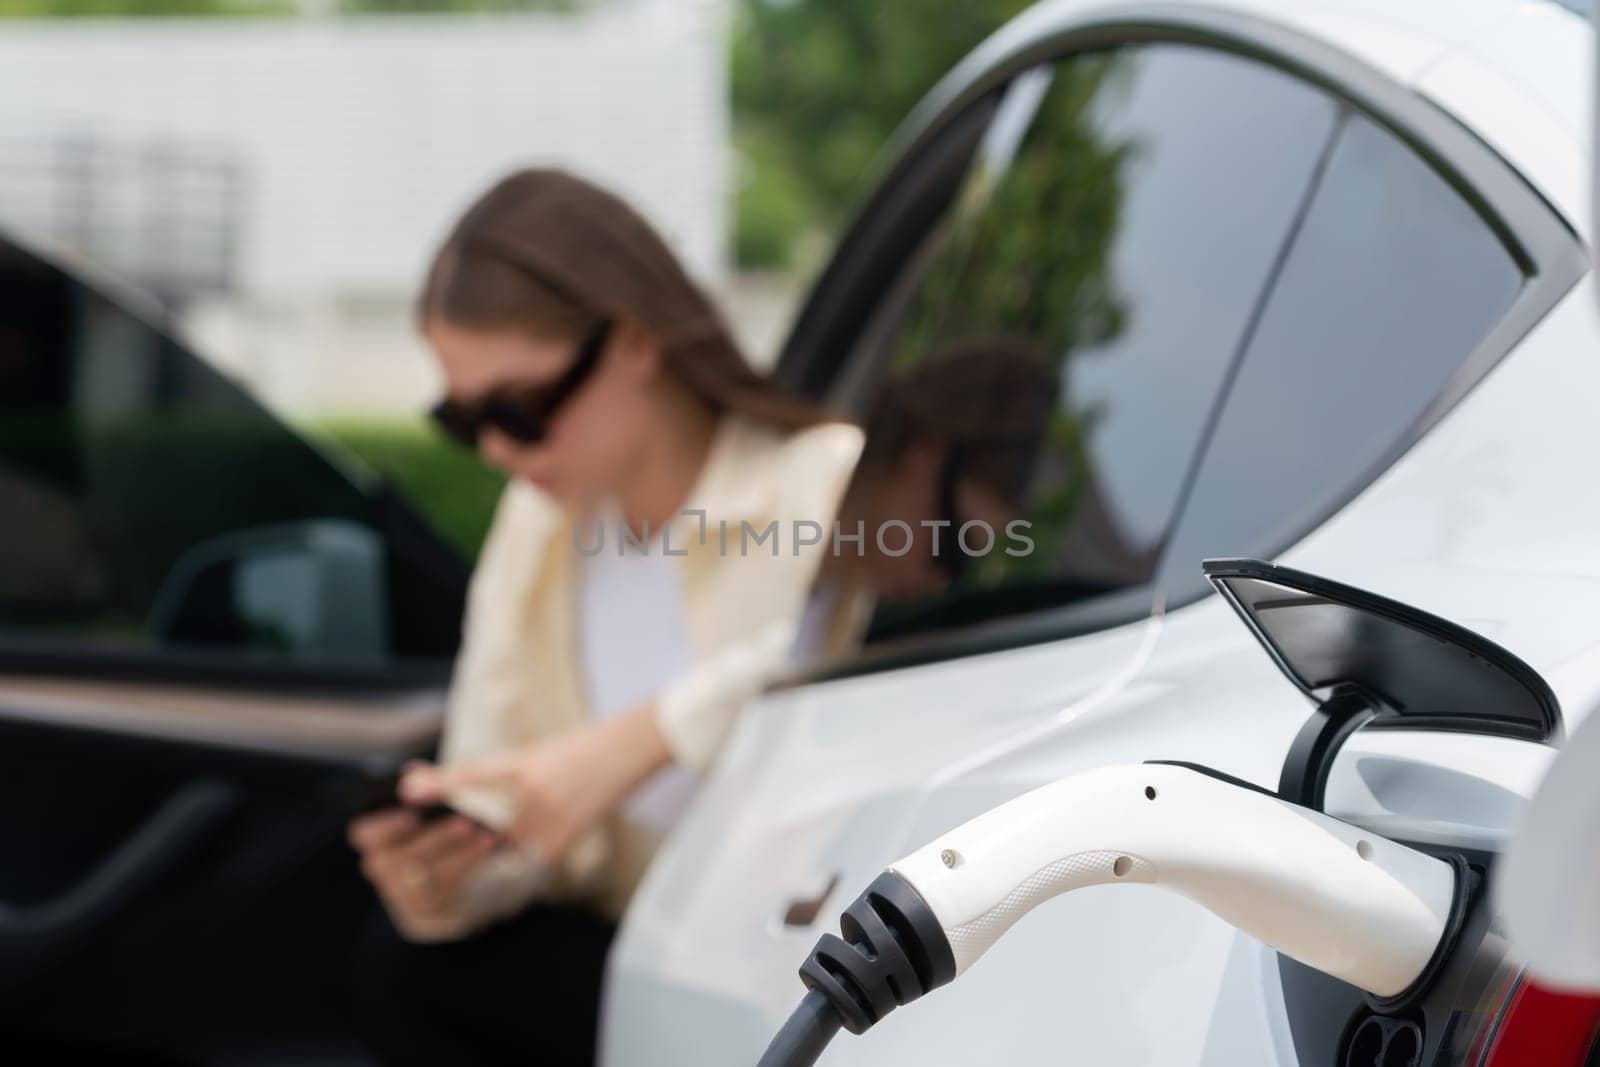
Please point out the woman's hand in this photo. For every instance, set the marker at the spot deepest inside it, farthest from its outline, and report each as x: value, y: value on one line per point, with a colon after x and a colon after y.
x: 419, y: 867
x: 560, y: 787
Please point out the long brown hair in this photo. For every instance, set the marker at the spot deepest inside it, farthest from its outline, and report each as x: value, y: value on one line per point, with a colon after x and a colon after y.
x: 548, y: 252
x: 991, y: 399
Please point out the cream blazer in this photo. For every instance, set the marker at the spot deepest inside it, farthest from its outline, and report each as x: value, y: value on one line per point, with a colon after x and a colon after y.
x: 519, y: 675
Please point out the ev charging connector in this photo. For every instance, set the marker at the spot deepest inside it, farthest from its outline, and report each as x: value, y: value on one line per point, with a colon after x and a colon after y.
x: 1350, y: 903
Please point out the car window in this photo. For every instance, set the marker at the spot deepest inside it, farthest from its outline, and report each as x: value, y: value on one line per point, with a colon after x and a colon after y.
x: 1121, y: 243
x: 151, y: 504
x: 1391, y: 283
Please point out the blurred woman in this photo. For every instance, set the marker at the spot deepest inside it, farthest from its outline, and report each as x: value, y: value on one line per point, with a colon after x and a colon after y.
x: 611, y: 634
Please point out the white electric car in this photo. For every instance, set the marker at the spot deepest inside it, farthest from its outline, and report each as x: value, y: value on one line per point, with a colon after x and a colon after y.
x: 1313, y: 275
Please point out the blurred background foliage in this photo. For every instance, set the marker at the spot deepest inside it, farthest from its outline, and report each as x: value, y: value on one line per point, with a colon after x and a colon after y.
x: 818, y: 87
x: 447, y: 485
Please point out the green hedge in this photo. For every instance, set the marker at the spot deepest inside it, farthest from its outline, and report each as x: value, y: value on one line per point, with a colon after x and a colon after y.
x: 448, y: 485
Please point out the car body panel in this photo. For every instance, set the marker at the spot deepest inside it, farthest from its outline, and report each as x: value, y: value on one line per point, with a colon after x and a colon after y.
x: 824, y: 812
x: 1513, y: 84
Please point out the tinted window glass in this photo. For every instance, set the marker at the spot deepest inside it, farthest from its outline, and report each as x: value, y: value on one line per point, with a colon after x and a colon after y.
x: 1392, y: 282
x: 1120, y: 244
x: 149, y: 502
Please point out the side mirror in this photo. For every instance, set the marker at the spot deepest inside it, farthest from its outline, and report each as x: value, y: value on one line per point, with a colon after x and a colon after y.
x: 313, y: 589
x: 1548, y: 883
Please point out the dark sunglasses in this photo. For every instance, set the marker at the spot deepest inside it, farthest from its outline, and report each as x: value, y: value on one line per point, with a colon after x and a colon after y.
x: 522, y: 413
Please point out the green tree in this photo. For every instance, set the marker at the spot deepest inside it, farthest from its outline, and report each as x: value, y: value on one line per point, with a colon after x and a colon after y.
x: 818, y: 87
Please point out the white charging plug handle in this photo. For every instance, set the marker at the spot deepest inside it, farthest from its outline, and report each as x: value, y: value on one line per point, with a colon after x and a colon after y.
x: 1347, y: 902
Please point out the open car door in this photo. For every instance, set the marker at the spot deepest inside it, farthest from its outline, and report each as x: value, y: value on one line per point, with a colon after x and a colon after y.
x: 209, y: 634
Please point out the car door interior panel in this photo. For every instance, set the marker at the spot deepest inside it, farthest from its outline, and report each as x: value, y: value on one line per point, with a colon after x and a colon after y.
x: 176, y: 835
x: 212, y: 632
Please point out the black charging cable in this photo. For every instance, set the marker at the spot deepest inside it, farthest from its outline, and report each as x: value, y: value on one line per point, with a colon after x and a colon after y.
x: 892, y: 951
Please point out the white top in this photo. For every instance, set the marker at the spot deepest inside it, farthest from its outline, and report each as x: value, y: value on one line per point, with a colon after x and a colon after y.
x: 812, y: 636
x: 634, y: 638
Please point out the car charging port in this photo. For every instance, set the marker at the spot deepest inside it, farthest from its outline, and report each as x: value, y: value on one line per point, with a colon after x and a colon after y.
x: 1382, y: 1041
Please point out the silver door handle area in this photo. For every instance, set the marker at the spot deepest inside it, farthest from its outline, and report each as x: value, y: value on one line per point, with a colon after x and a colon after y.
x: 35, y: 936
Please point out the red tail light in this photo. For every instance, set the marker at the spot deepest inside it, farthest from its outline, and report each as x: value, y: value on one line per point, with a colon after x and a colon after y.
x: 1543, y: 1028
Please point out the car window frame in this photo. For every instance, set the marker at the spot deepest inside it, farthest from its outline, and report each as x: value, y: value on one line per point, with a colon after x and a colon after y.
x: 1538, y: 238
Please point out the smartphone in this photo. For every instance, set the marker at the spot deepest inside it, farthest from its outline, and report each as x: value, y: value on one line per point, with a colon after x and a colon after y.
x: 383, y: 792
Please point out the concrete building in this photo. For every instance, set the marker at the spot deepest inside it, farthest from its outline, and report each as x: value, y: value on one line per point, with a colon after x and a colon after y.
x: 282, y: 182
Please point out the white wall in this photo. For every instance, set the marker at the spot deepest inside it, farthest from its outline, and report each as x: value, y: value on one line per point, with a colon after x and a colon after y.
x: 364, y: 137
